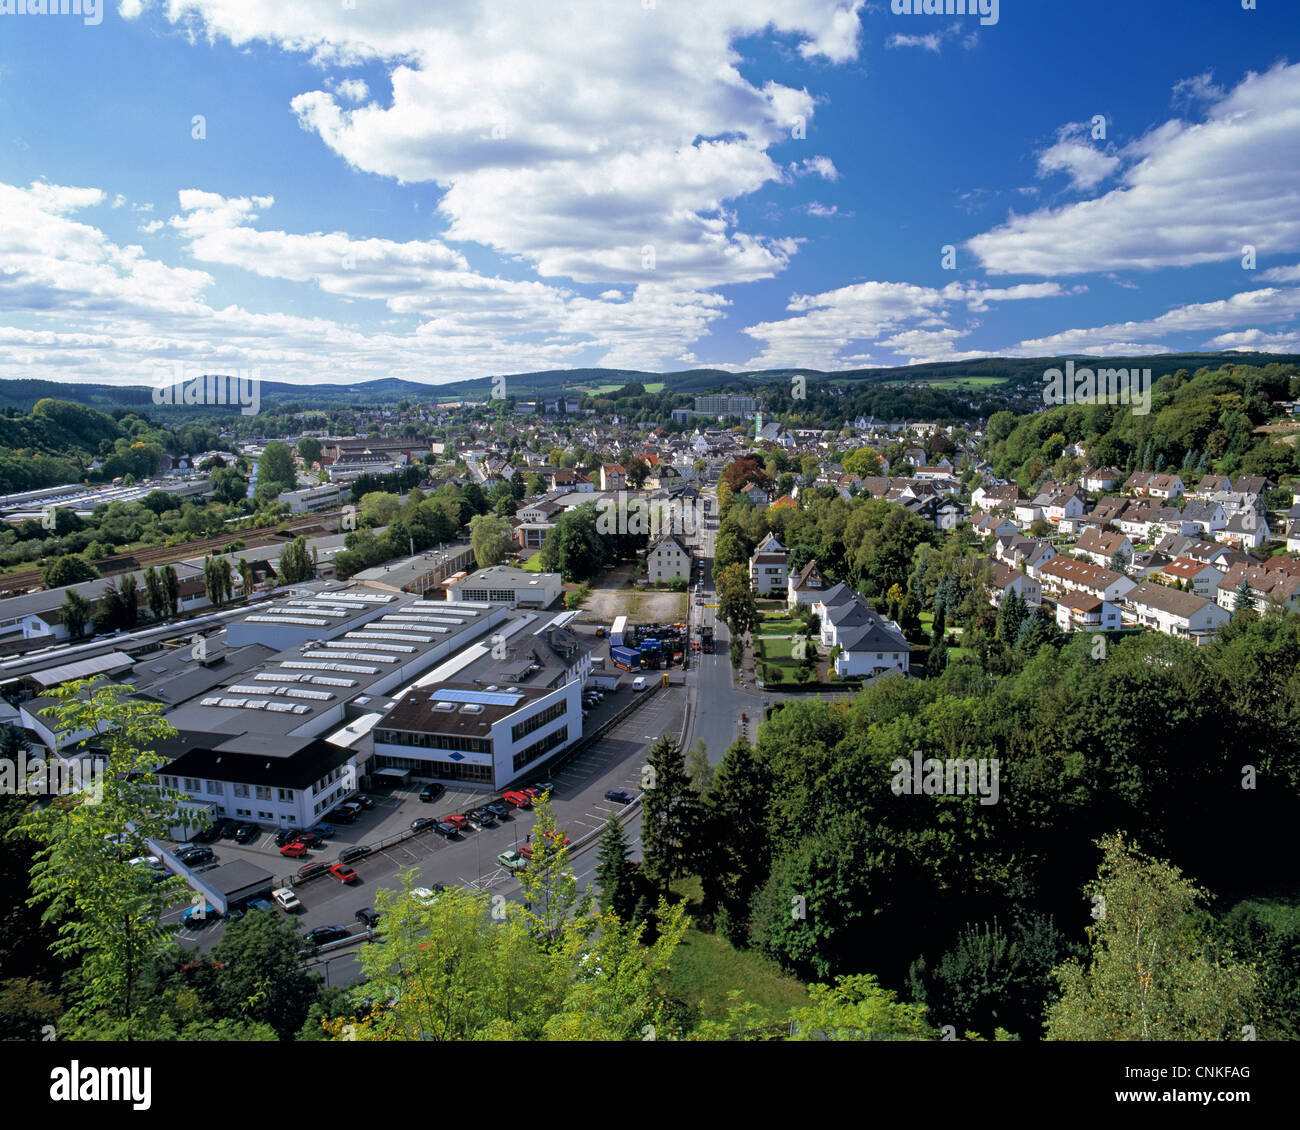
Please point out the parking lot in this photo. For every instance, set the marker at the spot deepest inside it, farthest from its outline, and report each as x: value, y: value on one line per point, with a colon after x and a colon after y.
x: 613, y: 762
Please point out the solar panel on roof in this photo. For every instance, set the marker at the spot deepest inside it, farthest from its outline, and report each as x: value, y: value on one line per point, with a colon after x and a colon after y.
x: 485, y: 698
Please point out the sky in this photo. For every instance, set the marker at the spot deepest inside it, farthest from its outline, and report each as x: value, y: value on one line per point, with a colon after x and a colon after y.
x: 332, y: 191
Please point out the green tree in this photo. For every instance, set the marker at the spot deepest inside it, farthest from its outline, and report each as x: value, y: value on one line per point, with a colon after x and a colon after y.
x: 737, y: 854
x: 75, y: 614
x: 671, y: 814
x: 107, y: 917
x: 275, y: 469
x: 70, y: 569
x: 489, y: 536
x: 171, y: 585
x: 296, y: 564
x: 309, y: 450
x: 614, y: 871
x: 260, y: 976
x: 737, y: 605
x: 1157, y: 971
x: 154, y: 595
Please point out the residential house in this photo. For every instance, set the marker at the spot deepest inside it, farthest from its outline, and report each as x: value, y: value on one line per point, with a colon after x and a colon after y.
x: 1065, y: 574
x: 1083, y: 612
x: 1005, y: 579
x: 767, y: 567
x: 1100, y: 546
x: 1175, y: 613
x: 666, y: 559
x: 1204, y: 579
x: 869, y: 644
x: 806, y: 586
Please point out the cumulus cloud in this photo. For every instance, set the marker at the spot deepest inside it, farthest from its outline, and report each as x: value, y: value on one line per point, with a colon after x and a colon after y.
x: 1195, y: 194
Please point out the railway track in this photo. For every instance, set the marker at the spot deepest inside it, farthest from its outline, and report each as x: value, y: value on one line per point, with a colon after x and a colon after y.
x: 15, y: 583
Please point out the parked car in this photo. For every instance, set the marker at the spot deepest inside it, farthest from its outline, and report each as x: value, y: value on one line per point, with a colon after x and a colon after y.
x: 368, y: 917
x: 259, y: 904
x: 294, y: 849
x: 323, y: 830
x: 209, y: 835
x: 457, y: 818
x: 427, y: 895
x: 447, y: 830
x: 485, y: 817
x: 196, y: 855
x: 517, y: 799
x: 286, y: 898
x: 345, y: 815
x: 620, y: 796
x: 322, y: 934
x: 555, y: 837
x: 199, y: 916
x: 430, y: 793
x: 146, y: 861
x: 361, y: 799
x: 360, y: 851
x: 284, y: 835
x: 343, y: 873
x: 307, y: 870
x: 512, y: 861
x: 247, y: 833
x: 227, y: 828
x: 499, y: 810
x: 422, y: 824
x: 545, y: 788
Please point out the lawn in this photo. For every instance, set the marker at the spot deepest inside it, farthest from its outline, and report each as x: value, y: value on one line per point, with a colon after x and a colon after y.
x: 779, y: 626
x: 533, y: 564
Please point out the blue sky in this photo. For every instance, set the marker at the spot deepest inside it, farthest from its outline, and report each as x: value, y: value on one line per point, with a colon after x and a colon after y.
x: 389, y: 190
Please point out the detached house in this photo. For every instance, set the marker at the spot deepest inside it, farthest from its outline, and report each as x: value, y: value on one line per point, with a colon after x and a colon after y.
x: 1005, y: 579
x: 1174, y: 613
x: 1083, y: 612
x: 1099, y: 546
x: 869, y: 645
x: 1204, y: 579
x: 666, y: 559
x: 1065, y: 574
x: 767, y: 567
x: 805, y: 587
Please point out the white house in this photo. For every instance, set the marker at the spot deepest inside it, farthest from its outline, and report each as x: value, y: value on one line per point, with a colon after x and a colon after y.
x: 767, y: 567
x: 667, y: 558
x: 869, y: 645
x: 1173, y: 612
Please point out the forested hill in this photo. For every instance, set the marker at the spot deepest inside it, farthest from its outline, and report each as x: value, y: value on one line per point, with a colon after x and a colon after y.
x: 1202, y: 422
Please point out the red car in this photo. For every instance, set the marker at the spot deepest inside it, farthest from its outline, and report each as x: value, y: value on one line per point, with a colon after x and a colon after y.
x: 343, y: 873
x: 308, y: 838
x: 527, y: 850
x: 461, y: 821
x: 294, y: 849
x: 517, y: 799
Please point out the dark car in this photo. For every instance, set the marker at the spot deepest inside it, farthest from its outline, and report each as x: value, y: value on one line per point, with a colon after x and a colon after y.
x: 368, y: 917
x: 499, y: 810
x: 423, y: 824
x: 363, y: 800
x: 343, y: 816
x: 209, y: 835
x: 447, y: 830
x: 307, y: 870
x: 620, y: 796
x: 322, y: 934
x: 196, y: 855
x: 323, y: 830
x: 227, y: 828
x: 360, y: 851
x: 431, y: 793
x: 284, y: 835
x: 545, y: 788
x: 484, y: 817
x: 247, y: 833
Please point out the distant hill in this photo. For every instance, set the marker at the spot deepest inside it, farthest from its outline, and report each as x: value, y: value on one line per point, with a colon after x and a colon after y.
x: 1011, y: 377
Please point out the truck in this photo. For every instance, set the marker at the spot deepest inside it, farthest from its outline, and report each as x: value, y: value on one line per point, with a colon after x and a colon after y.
x: 706, y: 639
x: 626, y: 658
x: 616, y: 632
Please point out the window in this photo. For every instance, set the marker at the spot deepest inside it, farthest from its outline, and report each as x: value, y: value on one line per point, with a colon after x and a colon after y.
x: 537, y: 749
x: 286, y: 796
x: 192, y: 784
x: 266, y: 815
x: 263, y: 792
x: 241, y: 790
x: 214, y: 788
x: 538, y: 720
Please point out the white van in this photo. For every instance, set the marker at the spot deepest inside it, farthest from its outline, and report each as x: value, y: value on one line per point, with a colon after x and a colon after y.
x: 638, y: 684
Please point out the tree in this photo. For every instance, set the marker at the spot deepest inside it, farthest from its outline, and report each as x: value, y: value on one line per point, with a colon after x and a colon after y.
x: 614, y: 871
x: 261, y: 978
x: 857, y: 1008
x: 489, y: 535
x: 549, y: 887
x: 75, y: 614
x: 108, y: 918
x: 154, y: 596
x: 637, y: 471
x: 70, y: 569
x: 378, y: 508
x: 228, y: 485
x: 296, y: 564
x: 171, y: 585
x: 670, y: 814
x: 736, y: 855
x: 697, y: 765
x: 1243, y: 600
x: 536, y: 485
x: 275, y: 469
x: 1157, y: 969
x: 309, y: 450
x: 574, y: 547
x: 737, y: 604
x: 1118, y: 562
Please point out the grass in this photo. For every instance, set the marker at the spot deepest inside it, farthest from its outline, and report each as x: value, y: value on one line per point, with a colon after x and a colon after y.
x: 706, y: 968
x: 533, y: 564
x: 779, y: 625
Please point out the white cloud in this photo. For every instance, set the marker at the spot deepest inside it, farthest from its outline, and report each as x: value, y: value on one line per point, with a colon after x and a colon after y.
x: 1199, y: 88
x: 1085, y: 164
x: 928, y: 42
x: 1196, y: 195
x: 823, y: 167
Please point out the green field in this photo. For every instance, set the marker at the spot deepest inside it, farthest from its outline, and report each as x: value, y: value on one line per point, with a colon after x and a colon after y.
x: 778, y: 626
x: 656, y: 386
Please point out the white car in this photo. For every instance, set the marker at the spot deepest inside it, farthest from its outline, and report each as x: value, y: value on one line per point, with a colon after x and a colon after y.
x: 145, y: 861
x: 424, y: 896
x: 287, y: 899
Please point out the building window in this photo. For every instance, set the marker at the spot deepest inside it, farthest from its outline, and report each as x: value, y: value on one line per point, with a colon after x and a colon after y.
x: 241, y: 790
x: 263, y: 792
x: 192, y: 784
x: 214, y: 788
x: 286, y: 796
x: 537, y: 749
x: 449, y: 770
x: 538, y: 720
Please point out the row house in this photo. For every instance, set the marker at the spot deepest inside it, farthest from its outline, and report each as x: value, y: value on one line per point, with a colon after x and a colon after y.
x: 1153, y: 485
x: 1005, y: 579
x: 1172, y: 612
x: 1202, y: 578
x: 1099, y: 546
x: 869, y: 644
x: 1268, y: 587
x: 1065, y: 574
x: 1002, y: 497
x: 1083, y: 612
